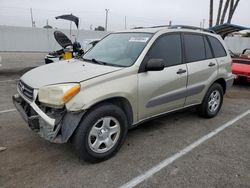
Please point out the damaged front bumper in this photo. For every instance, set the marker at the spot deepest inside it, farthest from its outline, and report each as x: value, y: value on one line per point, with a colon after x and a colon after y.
x: 54, y: 125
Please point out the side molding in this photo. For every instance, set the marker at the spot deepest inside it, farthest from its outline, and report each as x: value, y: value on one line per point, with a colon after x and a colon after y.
x: 175, y: 95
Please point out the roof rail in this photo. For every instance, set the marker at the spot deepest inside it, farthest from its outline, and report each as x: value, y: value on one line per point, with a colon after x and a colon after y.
x: 157, y: 26
x: 160, y: 26
x: 190, y: 27
x: 178, y: 27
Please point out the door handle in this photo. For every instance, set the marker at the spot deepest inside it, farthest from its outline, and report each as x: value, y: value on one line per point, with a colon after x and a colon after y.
x: 181, y: 71
x: 211, y: 64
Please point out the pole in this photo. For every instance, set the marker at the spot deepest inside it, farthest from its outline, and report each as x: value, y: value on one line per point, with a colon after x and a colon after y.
x: 70, y: 29
x: 125, y: 22
x: 106, y: 23
x: 31, y: 15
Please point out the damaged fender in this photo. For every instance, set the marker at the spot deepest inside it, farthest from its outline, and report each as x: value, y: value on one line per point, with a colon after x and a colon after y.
x: 69, y: 123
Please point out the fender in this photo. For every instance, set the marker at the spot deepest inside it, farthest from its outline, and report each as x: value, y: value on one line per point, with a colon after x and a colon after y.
x: 69, y: 124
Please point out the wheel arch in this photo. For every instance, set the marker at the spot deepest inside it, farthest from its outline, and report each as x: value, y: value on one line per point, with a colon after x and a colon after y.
x: 121, y: 102
x: 222, y: 82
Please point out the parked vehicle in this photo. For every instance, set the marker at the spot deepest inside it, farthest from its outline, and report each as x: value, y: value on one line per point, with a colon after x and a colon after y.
x: 69, y: 50
x: 128, y: 78
x: 241, y: 66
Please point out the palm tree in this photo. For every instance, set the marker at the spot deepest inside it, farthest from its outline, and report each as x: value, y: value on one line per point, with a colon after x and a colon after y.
x: 219, y: 12
x: 232, y: 10
x: 224, y: 11
x: 211, y: 13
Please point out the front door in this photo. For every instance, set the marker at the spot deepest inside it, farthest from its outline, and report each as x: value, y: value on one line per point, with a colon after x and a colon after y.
x: 165, y: 90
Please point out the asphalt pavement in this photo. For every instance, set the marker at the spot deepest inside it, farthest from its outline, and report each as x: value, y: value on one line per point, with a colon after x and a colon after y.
x: 221, y: 161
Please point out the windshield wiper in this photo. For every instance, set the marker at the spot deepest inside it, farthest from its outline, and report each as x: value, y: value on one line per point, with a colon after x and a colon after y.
x: 98, y: 62
x: 95, y: 61
x: 101, y: 62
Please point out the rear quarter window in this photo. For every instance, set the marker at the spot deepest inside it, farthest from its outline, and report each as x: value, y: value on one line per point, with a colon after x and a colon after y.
x: 217, y: 47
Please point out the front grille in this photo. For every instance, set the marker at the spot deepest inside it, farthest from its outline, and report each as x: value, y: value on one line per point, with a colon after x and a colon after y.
x: 26, y: 90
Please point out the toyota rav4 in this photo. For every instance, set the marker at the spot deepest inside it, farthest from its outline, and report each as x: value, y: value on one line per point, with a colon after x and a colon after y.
x: 128, y: 78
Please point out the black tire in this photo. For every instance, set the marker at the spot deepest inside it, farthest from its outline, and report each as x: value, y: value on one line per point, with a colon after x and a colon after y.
x: 204, y: 109
x: 81, y: 136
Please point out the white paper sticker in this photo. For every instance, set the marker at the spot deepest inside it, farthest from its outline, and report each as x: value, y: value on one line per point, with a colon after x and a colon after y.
x: 138, y: 39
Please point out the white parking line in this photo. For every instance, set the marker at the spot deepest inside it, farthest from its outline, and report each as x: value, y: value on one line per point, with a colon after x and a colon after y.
x: 135, y: 181
x: 9, y: 80
x: 6, y: 111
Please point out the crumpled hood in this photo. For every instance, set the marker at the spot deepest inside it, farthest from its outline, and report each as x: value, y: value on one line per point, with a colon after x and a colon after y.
x: 65, y: 72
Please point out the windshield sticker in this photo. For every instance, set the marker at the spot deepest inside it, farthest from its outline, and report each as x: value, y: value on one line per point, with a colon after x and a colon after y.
x: 138, y: 39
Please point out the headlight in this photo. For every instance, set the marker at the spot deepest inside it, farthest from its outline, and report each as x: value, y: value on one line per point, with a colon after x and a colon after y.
x: 58, y: 95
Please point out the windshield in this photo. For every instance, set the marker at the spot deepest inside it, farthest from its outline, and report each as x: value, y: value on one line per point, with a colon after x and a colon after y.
x: 118, y: 49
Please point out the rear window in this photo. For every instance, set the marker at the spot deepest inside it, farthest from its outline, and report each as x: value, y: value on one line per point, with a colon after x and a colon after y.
x: 217, y: 47
x: 194, y: 47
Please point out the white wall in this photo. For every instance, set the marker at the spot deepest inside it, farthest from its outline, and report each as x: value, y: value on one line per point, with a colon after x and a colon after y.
x: 237, y: 44
x: 26, y: 39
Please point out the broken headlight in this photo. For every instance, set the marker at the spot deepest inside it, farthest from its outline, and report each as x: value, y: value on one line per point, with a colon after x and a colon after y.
x: 58, y: 95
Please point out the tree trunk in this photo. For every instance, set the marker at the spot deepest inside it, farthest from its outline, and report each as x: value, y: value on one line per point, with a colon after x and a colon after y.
x: 230, y: 16
x: 219, y: 12
x: 230, y: 11
x: 224, y: 11
x: 211, y: 13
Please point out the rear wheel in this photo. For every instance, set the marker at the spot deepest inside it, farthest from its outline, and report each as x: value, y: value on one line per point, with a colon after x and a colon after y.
x: 101, y: 133
x: 212, y: 101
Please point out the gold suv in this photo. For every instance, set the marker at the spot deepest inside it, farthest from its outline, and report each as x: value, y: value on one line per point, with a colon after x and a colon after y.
x: 127, y: 78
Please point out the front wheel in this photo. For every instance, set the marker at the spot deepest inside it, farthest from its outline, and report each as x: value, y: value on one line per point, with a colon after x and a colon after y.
x: 212, y: 101
x: 101, y: 133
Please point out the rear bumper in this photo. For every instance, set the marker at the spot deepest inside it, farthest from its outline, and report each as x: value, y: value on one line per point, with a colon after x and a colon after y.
x: 230, y: 81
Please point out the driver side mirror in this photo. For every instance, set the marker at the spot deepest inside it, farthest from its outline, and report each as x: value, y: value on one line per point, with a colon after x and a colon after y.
x: 155, y: 65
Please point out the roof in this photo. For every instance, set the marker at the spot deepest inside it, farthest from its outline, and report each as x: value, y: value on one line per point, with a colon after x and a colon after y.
x: 227, y: 28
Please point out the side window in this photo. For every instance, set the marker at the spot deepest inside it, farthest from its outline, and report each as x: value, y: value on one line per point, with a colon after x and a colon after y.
x: 167, y: 48
x: 209, y: 54
x: 194, y: 47
x: 217, y: 47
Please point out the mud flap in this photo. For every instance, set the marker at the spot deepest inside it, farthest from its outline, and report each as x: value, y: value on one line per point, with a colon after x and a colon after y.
x: 69, y: 124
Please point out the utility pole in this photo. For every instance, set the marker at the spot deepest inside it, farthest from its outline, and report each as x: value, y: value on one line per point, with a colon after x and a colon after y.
x: 106, y: 23
x: 32, y: 20
x: 125, y: 22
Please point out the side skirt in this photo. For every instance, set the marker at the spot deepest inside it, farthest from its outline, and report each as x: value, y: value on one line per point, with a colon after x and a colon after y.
x: 162, y: 115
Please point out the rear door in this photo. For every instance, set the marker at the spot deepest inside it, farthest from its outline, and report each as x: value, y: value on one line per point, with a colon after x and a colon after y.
x: 162, y: 91
x: 223, y: 59
x: 202, y: 67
